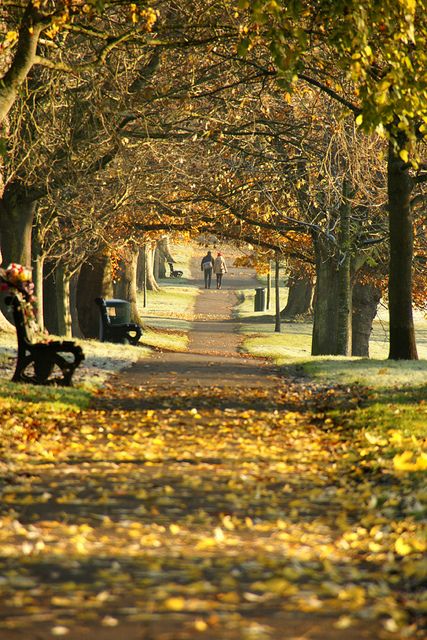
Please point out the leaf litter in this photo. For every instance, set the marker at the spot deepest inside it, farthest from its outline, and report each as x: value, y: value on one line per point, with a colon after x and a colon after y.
x: 216, y: 512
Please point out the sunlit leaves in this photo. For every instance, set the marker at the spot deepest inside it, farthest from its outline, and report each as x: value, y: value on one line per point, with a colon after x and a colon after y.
x: 382, y: 48
x: 407, y: 462
x: 194, y: 501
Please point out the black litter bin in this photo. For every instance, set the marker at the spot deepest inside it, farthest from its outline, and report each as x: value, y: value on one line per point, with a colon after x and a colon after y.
x: 118, y: 311
x: 114, y: 322
x: 260, y: 299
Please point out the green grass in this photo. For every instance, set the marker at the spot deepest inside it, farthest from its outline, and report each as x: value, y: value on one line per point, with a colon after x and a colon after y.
x: 171, y: 308
x: 164, y: 339
x: 57, y: 399
x: 293, y: 347
x: 369, y: 372
x: 174, y: 299
x: 388, y: 409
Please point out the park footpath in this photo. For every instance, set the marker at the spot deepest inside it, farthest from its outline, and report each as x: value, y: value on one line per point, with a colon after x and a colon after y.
x: 203, y: 495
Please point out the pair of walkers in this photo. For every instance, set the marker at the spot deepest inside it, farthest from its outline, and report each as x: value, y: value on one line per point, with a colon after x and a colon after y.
x: 218, y: 266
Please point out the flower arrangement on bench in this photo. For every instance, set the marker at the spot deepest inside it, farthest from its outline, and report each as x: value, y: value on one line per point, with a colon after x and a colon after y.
x: 39, y: 361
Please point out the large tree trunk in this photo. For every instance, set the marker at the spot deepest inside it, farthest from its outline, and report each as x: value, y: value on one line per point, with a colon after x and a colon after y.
x: 141, y: 275
x: 16, y: 221
x: 140, y: 269
x: 159, y: 264
x: 366, y: 298
x: 125, y: 287
x: 94, y: 281
x: 324, y: 338
x: 163, y: 256
x: 277, y: 323
x: 75, y: 326
x: 57, y: 301
x: 299, y: 297
x: 402, y: 331
x: 344, y: 278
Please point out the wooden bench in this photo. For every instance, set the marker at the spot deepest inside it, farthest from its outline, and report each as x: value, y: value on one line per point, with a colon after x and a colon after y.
x: 50, y: 362
x: 121, y: 332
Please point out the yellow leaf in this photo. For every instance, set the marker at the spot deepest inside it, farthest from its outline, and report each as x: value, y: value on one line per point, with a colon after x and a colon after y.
x: 200, y: 625
x: 59, y: 630
x: 405, y: 462
x: 404, y: 155
x: 109, y: 621
x: 343, y: 623
x: 231, y: 597
x: 175, y: 604
x: 402, y: 547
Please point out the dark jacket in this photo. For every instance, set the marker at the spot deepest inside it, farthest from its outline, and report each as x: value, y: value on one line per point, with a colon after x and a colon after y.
x: 208, y: 259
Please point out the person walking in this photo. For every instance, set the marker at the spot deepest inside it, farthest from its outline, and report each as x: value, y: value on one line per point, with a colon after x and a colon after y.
x: 219, y: 269
x: 206, y: 267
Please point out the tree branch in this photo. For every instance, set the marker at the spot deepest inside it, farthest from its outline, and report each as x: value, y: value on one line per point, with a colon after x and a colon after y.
x: 330, y: 92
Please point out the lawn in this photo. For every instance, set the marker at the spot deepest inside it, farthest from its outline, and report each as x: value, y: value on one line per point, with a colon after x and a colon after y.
x: 168, y: 313
x: 293, y: 347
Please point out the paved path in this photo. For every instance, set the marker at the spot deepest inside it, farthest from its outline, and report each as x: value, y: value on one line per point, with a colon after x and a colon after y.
x: 213, y: 356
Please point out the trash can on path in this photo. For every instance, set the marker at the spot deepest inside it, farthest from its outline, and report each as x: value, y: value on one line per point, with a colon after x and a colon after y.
x: 260, y: 299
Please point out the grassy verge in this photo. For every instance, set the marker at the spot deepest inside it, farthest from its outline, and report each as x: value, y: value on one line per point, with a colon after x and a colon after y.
x: 394, y: 415
x: 168, y: 312
x: 293, y: 346
x: 101, y: 361
x: 56, y: 399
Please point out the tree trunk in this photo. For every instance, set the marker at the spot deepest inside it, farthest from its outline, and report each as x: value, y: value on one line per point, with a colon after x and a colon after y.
x: 38, y: 264
x: 140, y: 269
x: 50, y: 309
x: 366, y: 298
x: 324, y: 338
x: 94, y: 281
x: 16, y: 221
x: 299, y: 298
x: 75, y: 326
x: 23, y: 60
x: 277, y: 325
x: 162, y: 256
x: 344, y: 278
x: 159, y: 270
x: 402, y: 331
x: 269, y: 285
x: 62, y: 290
x: 125, y: 287
x: 149, y: 262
